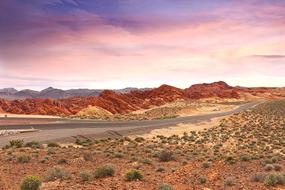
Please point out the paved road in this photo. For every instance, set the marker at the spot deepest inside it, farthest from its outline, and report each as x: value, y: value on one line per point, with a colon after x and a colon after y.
x: 64, y: 129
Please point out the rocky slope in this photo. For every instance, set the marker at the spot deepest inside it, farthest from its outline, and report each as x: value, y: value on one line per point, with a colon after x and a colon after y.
x: 217, y: 89
x: 123, y: 103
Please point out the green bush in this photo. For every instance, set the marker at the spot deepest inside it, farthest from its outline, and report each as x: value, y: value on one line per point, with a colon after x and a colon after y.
x: 53, y: 144
x: 16, y: 143
x: 269, y: 167
x: 277, y: 167
x: 83, y: 142
x: 146, y: 161
x: 165, y: 156
x: 258, y: 177
x: 86, y: 176
x: 206, y: 164
x: 165, y: 186
x: 62, y: 161
x: 230, y: 160
x: 202, y: 179
x: 56, y: 173
x: 104, y: 171
x: 133, y: 175
x: 24, y: 159
x: 33, y: 144
x: 88, y: 156
x: 274, y: 179
x: 230, y: 181
x: 31, y: 182
x: 245, y: 158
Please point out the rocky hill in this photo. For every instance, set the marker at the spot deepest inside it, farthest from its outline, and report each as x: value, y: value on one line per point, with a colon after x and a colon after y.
x: 122, y: 103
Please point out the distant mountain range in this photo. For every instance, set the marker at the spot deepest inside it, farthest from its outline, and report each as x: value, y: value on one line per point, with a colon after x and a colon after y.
x: 12, y: 93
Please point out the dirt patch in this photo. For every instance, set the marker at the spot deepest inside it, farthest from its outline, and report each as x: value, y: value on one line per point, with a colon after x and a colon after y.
x: 181, y: 129
x: 94, y: 112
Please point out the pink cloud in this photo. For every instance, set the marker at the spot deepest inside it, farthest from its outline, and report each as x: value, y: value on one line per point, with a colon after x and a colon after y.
x: 99, y: 51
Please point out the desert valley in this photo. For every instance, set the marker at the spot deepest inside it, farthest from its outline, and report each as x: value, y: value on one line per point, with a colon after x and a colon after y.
x: 142, y: 95
x: 237, y: 142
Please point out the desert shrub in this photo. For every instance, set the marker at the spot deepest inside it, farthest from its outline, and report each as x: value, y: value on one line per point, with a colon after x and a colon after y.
x: 53, y: 144
x: 160, y: 169
x: 184, y: 162
x: 56, y: 173
x: 165, y: 156
x: 275, y: 159
x: 31, y: 182
x: 258, y: 177
x: 62, y: 161
x: 118, y: 155
x: 51, y: 150
x: 104, y: 171
x: 88, y: 156
x: 146, y: 161
x: 202, y: 179
x: 86, y: 176
x: 230, y: 160
x: 245, y: 158
x: 133, y: 175
x: 165, y: 186
x: 230, y: 181
x: 83, y: 142
x: 206, y: 164
x: 269, y: 167
x: 9, y: 157
x: 16, y: 143
x: 33, y: 144
x: 277, y: 167
x: 139, y: 139
x: 24, y: 159
x: 45, y: 159
x: 274, y: 179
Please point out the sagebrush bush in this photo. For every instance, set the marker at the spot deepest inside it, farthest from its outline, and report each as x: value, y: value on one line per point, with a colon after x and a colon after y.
x: 269, y: 167
x: 33, y: 144
x: 24, y: 159
x: 165, y: 156
x: 258, y: 177
x: 53, y: 144
x: 230, y: 181
x: 16, y: 143
x: 31, y: 182
x: 274, y: 179
x: 133, y: 175
x: 165, y: 186
x: 86, y: 175
x: 104, y: 171
x: 56, y: 173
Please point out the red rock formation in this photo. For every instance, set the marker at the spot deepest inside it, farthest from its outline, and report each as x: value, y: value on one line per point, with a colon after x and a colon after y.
x: 134, y: 100
x: 217, y: 89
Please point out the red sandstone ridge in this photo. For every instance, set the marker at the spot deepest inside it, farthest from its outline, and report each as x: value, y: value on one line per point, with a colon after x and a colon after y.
x: 138, y: 99
x: 217, y: 89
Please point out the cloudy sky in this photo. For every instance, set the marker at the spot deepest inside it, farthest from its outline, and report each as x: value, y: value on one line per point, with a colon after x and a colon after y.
x: 141, y: 43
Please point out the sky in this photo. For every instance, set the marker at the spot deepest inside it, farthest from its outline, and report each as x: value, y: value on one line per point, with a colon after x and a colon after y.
x: 141, y: 43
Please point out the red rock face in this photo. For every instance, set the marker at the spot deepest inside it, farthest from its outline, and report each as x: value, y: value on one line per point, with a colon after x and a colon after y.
x: 134, y: 100
x: 217, y: 89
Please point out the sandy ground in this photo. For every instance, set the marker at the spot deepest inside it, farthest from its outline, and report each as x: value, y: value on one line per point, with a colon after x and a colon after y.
x: 180, y: 129
x: 189, y: 108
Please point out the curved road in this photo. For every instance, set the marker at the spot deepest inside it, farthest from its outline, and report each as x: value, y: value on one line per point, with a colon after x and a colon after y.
x: 65, y: 129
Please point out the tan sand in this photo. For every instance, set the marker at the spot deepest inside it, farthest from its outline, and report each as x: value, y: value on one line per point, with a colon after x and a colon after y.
x: 180, y: 129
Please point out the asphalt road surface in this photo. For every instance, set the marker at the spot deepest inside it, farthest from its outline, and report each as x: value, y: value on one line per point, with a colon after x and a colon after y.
x: 67, y: 129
